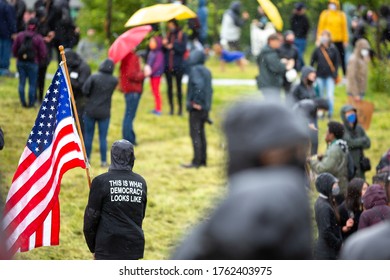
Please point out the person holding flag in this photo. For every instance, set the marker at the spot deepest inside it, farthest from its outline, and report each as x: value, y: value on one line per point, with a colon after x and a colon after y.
x: 31, y: 216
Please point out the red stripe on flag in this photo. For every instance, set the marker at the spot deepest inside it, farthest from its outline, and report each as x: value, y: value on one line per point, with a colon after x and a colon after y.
x: 30, y: 229
x: 55, y: 224
x: 19, y: 194
x: 24, y: 166
x: 39, y: 236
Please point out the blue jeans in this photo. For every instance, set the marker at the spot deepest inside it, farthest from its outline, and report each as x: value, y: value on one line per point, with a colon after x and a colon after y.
x: 326, y: 88
x: 300, y: 43
x: 132, y: 101
x: 27, y: 70
x: 89, y: 131
x: 5, y: 55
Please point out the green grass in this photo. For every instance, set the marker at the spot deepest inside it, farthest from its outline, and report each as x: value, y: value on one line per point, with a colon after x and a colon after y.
x: 177, y: 198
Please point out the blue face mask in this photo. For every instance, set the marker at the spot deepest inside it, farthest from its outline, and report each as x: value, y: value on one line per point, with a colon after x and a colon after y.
x: 351, y: 118
x: 336, y: 190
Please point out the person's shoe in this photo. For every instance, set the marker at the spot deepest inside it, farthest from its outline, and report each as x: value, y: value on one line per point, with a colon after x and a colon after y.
x: 155, y: 112
x: 209, y: 121
x: 104, y: 164
x: 190, y: 165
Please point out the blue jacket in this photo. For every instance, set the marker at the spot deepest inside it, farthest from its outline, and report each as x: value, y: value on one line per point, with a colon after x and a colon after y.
x: 7, y: 20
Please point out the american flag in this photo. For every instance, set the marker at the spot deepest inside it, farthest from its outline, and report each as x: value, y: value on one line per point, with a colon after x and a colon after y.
x: 31, y: 215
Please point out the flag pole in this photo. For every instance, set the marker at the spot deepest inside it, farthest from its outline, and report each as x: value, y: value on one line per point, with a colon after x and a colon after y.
x: 62, y: 52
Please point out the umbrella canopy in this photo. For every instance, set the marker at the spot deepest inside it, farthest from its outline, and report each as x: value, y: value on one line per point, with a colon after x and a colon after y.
x: 272, y: 13
x: 127, y: 41
x: 160, y: 13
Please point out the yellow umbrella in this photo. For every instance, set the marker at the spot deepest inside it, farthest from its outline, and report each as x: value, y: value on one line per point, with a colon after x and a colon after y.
x: 272, y: 13
x: 160, y: 13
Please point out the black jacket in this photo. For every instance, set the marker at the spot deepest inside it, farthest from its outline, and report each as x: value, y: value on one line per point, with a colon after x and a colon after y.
x: 300, y: 26
x: 1, y: 139
x: 116, y: 208
x: 266, y: 215
x: 79, y: 71
x: 303, y: 90
x: 322, y: 66
x: 290, y: 51
x: 372, y: 243
x: 99, y: 88
x: 199, y: 90
x: 329, y: 233
x: 356, y: 138
x: 271, y: 70
x: 345, y: 214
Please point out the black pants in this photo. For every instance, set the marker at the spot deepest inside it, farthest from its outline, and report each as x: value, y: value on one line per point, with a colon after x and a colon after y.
x: 41, y: 81
x: 178, y: 76
x: 340, y: 47
x: 198, y: 136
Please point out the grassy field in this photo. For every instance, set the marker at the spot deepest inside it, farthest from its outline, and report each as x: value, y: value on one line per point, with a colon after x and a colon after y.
x: 177, y: 198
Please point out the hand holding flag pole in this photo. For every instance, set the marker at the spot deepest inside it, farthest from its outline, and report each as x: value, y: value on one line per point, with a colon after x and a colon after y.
x: 62, y: 52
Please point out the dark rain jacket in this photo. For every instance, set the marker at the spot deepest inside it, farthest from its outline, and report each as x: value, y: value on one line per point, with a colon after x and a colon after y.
x: 266, y: 215
x: 345, y: 215
x: 1, y: 139
x: 356, y: 138
x: 303, y: 90
x: 99, y: 88
x: 271, y: 70
x: 199, y: 90
x: 300, y: 25
x: 322, y: 66
x: 116, y: 209
x: 329, y: 232
x: 375, y: 205
x: 7, y: 20
x: 79, y: 71
x: 174, y: 57
x: 372, y: 243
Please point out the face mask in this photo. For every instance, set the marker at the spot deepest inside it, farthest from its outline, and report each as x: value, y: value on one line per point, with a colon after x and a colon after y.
x: 336, y: 190
x: 290, y: 42
x: 310, y: 82
x: 324, y: 40
x: 364, y: 52
x: 351, y: 118
x: 332, y: 7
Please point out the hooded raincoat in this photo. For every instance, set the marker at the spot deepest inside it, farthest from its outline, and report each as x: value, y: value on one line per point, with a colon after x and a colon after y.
x: 375, y: 205
x: 329, y: 232
x: 116, y: 209
x: 357, y: 73
x: 356, y: 138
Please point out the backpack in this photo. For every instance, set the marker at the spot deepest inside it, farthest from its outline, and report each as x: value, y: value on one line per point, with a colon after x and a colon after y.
x: 26, y: 50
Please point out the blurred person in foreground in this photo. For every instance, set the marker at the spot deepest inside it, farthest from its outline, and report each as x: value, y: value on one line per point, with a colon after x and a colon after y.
x: 372, y: 243
x: 266, y: 213
x: 116, y: 209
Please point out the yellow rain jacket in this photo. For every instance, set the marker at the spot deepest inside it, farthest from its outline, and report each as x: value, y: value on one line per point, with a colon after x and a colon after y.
x: 335, y: 22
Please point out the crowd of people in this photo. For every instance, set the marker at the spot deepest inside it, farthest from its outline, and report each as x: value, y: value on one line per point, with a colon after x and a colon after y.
x: 272, y: 144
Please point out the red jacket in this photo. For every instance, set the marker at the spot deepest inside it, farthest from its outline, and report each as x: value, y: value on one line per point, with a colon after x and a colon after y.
x: 131, y: 75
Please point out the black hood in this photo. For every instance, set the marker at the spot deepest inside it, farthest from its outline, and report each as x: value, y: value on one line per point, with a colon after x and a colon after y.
x: 306, y: 70
x: 122, y: 155
x: 236, y: 7
x: 254, y: 126
x: 107, y: 66
x: 345, y: 109
x: 196, y: 57
x: 324, y: 183
x: 73, y: 59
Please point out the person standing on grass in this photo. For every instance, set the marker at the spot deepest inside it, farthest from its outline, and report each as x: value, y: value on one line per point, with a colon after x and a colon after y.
x: 272, y: 69
x: 8, y: 32
x: 334, y: 20
x: 30, y: 50
x: 326, y: 58
x: 300, y: 25
x: 199, y: 100
x: 98, y: 89
x: 327, y: 218
x: 116, y: 209
x: 131, y: 84
x: 356, y: 138
x: 154, y: 68
x: 175, y: 46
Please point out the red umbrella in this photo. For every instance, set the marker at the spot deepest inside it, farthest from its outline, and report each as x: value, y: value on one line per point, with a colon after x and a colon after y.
x: 127, y: 42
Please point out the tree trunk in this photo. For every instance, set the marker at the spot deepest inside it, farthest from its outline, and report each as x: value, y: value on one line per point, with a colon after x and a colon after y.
x: 108, y: 20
